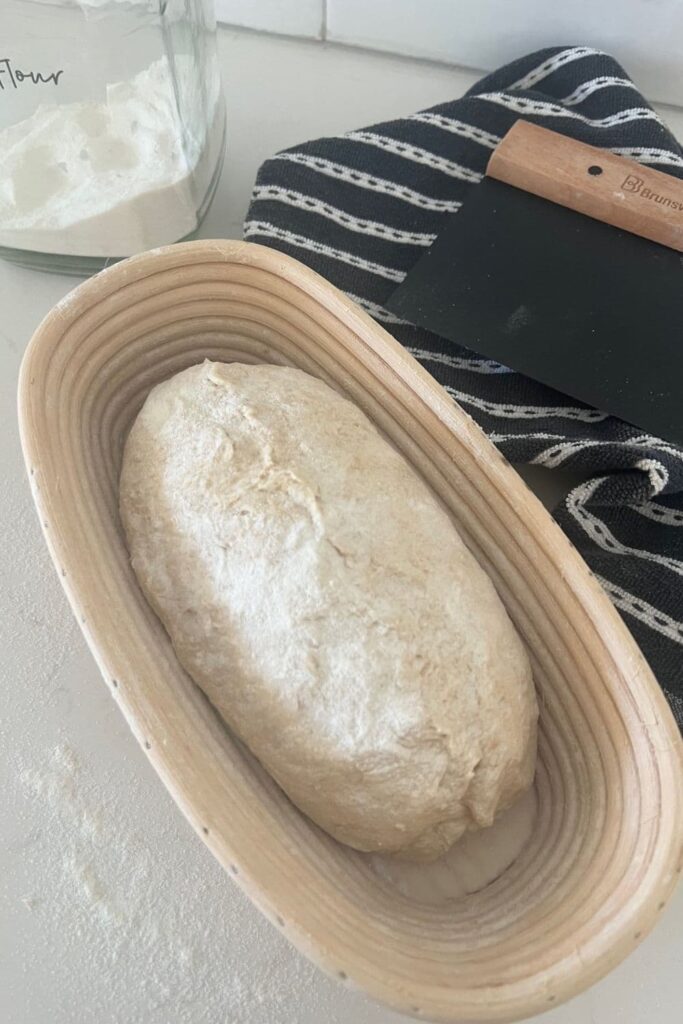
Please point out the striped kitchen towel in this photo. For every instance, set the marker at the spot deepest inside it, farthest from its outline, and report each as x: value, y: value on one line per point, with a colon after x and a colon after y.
x: 361, y: 208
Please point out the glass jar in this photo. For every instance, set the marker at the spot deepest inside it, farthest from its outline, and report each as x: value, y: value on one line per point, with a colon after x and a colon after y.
x: 112, y: 125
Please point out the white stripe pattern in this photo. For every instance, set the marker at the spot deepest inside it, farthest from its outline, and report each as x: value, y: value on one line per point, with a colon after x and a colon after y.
x: 541, y: 108
x: 657, y: 443
x: 659, y: 513
x: 656, y: 471
x: 586, y: 89
x: 649, y: 155
x: 416, y: 154
x: 262, y: 227
x: 556, y: 454
x: 369, y: 181
x: 598, y: 531
x: 500, y: 438
x: 507, y: 410
x: 558, y: 60
x: 346, y: 220
x: 644, y: 612
x: 451, y: 124
x: 458, y: 362
x: 377, y: 311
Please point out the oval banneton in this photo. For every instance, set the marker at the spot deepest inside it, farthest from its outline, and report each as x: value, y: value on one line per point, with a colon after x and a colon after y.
x: 606, y: 846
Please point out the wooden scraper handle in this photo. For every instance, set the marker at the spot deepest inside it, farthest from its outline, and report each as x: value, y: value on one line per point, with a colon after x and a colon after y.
x: 592, y: 181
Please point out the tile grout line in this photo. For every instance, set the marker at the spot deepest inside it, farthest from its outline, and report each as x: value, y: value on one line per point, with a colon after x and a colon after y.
x: 323, y: 23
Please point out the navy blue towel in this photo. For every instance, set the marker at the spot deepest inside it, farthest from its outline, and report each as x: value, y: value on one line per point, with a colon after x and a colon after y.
x: 361, y: 208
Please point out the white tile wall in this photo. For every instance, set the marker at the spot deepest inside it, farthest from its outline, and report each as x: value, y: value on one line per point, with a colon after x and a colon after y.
x: 646, y: 36
x: 290, y: 17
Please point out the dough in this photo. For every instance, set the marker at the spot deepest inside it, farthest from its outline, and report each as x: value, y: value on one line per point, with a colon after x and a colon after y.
x: 322, y: 598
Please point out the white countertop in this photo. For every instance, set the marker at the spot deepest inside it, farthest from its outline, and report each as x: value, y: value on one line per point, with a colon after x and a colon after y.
x: 111, y: 910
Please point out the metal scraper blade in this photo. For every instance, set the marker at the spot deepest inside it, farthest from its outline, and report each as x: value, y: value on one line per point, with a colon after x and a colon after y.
x: 586, y: 308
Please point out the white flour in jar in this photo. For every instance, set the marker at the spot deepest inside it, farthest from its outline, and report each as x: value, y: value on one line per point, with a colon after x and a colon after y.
x: 103, y: 179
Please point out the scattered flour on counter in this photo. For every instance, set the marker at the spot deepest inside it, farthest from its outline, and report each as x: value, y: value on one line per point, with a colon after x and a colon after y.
x: 105, y: 178
x: 97, y: 882
x: 28, y: 618
x: 472, y: 864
